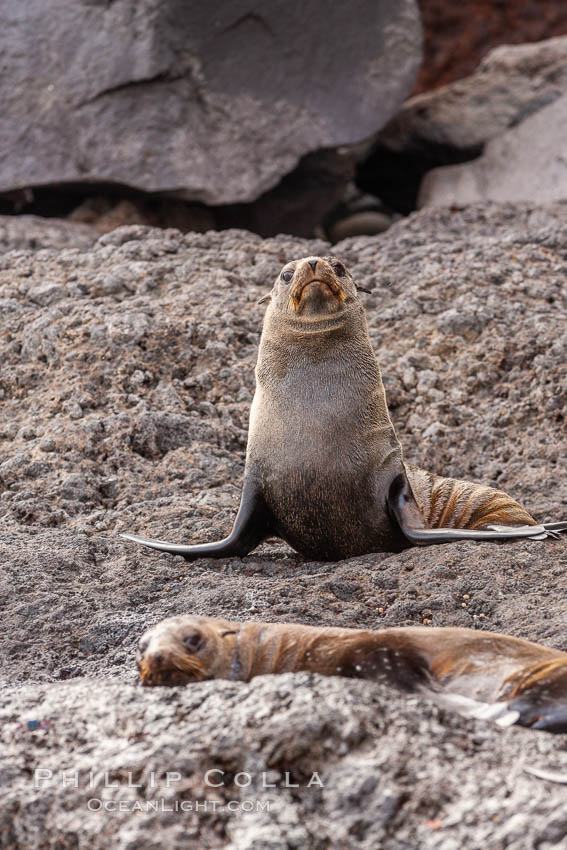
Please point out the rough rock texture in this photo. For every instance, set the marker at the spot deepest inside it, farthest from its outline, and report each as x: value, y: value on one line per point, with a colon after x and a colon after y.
x: 527, y: 163
x: 126, y: 383
x: 165, y: 96
x: 458, y: 35
x: 364, y: 768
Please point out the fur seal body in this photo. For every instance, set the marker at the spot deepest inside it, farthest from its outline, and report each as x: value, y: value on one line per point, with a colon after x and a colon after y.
x: 479, y: 674
x: 324, y: 467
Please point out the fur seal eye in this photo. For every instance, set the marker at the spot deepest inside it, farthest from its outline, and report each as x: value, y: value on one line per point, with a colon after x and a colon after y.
x: 193, y: 642
x: 287, y: 275
x: 339, y: 269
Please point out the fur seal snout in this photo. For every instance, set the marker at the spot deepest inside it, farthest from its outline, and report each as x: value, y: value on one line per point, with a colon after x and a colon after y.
x: 479, y: 674
x: 314, y: 289
x: 324, y: 466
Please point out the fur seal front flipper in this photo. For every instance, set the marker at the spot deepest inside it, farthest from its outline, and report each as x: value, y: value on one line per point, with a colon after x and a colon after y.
x: 252, y: 524
x: 479, y: 674
x: 403, y: 507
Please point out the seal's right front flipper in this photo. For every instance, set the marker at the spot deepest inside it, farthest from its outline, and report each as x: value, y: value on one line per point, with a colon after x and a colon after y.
x: 404, y: 509
x: 253, y: 524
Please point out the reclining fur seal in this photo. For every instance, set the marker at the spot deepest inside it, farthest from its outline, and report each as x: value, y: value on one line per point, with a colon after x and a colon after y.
x: 478, y: 674
x: 324, y: 467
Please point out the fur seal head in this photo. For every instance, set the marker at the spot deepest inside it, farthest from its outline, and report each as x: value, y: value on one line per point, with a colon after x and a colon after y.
x: 184, y: 649
x: 311, y: 288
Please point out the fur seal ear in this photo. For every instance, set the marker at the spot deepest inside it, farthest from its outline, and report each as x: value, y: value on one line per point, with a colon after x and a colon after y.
x: 264, y: 298
x: 362, y: 288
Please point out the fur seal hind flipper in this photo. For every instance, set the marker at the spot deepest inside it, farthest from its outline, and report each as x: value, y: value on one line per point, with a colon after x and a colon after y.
x: 555, y: 526
x: 253, y: 524
x: 403, y: 508
x: 496, y: 712
x: 547, y: 718
x: 539, y: 694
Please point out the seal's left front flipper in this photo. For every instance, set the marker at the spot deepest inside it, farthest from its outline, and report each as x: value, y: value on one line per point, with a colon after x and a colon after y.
x: 253, y: 524
x: 404, y: 509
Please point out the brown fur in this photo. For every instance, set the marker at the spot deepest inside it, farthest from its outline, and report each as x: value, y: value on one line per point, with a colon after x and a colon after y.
x: 321, y: 440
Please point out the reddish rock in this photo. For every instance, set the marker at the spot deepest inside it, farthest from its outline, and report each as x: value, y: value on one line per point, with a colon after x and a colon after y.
x: 458, y: 35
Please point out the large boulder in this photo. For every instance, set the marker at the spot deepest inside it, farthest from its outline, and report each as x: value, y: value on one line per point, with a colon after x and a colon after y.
x: 211, y: 104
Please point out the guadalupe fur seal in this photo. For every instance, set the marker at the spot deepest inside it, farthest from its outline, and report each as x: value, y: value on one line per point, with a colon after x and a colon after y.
x: 479, y: 674
x: 324, y: 467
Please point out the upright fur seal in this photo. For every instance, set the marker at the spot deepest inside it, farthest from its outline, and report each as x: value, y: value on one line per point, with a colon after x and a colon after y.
x: 324, y: 467
x: 479, y: 674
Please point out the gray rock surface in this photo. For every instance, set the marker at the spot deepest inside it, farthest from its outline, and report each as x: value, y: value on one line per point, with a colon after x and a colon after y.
x: 511, y: 83
x: 527, y: 163
x: 169, y: 97
x: 126, y: 383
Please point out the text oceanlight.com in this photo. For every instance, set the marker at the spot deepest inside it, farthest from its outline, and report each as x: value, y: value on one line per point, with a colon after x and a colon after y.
x: 95, y: 804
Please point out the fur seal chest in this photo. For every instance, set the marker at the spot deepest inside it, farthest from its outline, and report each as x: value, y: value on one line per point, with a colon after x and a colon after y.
x: 478, y: 674
x: 324, y: 467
